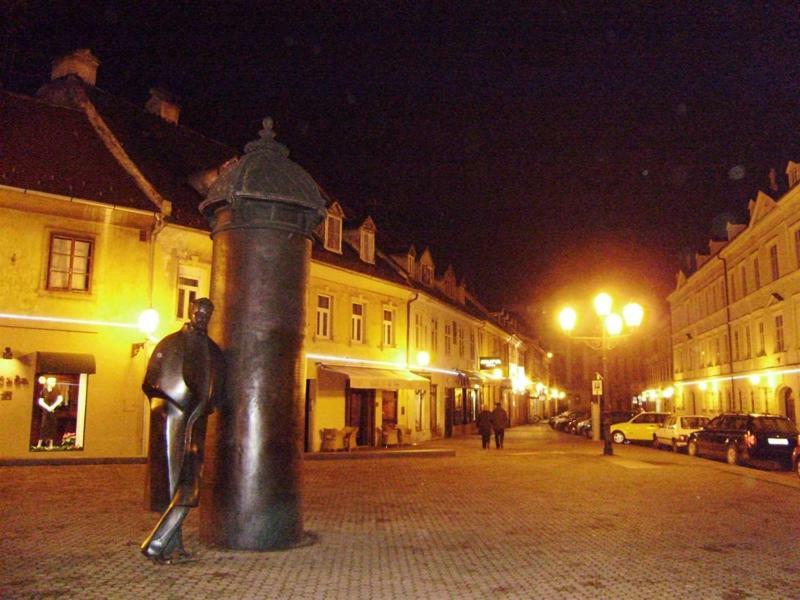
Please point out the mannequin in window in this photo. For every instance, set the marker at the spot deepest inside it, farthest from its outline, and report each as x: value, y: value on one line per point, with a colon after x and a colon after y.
x: 49, y: 401
x: 184, y: 379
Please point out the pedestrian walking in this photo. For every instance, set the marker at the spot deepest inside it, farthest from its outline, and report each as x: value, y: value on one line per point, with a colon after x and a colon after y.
x: 499, y: 424
x: 484, y: 423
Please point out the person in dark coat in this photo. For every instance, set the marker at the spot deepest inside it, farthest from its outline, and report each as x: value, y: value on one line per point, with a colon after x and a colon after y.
x: 484, y: 423
x: 499, y: 424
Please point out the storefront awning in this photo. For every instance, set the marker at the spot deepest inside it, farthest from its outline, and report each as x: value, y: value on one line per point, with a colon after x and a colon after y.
x: 64, y: 362
x: 470, y: 378
x: 379, y: 379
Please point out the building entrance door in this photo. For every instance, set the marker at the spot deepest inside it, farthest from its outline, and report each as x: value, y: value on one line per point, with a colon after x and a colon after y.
x: 788, y: 404
x: 361, y: 413
x: 449, y: 411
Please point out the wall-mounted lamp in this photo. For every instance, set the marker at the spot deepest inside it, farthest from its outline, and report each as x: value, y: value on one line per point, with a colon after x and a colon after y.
x: 148, y: 323
x: 7, y: 354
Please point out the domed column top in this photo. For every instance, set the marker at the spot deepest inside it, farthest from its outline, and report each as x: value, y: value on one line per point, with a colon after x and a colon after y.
x: 264, y: 188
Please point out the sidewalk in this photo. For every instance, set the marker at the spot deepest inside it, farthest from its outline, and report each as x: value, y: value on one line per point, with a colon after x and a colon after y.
x: 546, y: 517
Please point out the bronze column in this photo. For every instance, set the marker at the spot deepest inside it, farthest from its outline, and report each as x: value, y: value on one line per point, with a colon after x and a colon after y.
x: 262, y: 210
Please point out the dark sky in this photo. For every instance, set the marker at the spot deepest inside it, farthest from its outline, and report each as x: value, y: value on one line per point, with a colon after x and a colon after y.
x: 536, y: 146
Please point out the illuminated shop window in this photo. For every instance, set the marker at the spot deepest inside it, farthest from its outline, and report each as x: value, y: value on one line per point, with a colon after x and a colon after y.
x: 69, y: 265
x: 59, y: 406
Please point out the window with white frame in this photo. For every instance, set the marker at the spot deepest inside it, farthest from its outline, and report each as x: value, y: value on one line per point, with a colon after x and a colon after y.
x: 779, y: 341
x: 736, y: 345
x: 357, y: 323
x: 367, y: 246
x: 762, y: 343
x: 410, y: 265
x: 434, y: 335
x: 773, y: 262
x: 188, y: 289
x: 333, y: 233
x: 388, y: 326
x: 324, y: 303
x: 418, y: 340
x: 472, y: 345
x: 448, y: 342
x: 69, y: 266
x: 460, y: 341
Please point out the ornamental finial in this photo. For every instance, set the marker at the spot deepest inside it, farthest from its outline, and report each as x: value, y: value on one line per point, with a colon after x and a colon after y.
x: 266, y: 141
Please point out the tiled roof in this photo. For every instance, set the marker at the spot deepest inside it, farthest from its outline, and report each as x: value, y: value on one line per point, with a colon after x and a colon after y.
x: 165, y: 153
x: 55, y: 149
x: 350, y: 260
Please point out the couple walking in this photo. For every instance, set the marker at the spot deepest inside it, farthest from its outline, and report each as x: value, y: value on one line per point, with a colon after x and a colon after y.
x: 496, y: 420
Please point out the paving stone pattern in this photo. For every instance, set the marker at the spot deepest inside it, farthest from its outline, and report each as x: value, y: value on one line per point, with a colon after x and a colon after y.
x: 546, y: 517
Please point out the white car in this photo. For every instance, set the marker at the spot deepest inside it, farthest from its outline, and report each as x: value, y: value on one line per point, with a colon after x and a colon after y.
x: 676, y: 430
x: 639, y: 429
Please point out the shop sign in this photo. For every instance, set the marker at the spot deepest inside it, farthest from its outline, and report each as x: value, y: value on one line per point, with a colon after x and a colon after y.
x: 490, y: 362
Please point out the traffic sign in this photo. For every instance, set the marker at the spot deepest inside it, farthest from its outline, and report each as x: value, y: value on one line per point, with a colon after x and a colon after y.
x: 597, y: 387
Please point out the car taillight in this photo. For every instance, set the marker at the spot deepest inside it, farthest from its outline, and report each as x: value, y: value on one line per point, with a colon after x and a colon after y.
x: 749, y: 439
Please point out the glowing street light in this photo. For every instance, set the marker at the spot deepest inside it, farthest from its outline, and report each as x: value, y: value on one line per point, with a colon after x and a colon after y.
x: 611, y: 325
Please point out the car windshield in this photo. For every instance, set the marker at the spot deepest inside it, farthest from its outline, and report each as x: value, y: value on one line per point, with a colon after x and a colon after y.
x: 694, y: 422
x: 774, y: 424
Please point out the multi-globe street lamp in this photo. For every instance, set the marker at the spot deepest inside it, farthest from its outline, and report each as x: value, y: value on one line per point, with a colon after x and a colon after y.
x: 611, y: 327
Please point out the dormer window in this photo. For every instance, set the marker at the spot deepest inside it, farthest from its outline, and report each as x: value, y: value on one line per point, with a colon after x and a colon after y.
x: 367, y: 246
x: 333, y: 233
x: 410, y: 263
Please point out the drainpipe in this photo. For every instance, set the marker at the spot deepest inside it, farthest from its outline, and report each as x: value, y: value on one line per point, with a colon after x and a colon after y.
x: 728, y: 326
x: 158, y: 226
x: 408, y: 329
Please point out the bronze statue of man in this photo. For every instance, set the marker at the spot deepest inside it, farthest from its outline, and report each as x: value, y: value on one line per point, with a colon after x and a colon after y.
x: 184, y: 379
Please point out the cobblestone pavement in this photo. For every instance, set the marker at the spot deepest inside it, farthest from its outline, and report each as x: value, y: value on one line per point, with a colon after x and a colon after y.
x: 546, y: 517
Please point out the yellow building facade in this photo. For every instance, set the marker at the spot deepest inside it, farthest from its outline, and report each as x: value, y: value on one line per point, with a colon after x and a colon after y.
x: 736, y: 319
x: 97, y: 234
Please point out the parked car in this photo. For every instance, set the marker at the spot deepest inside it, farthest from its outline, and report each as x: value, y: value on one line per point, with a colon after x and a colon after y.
x: 582, y: 426
x: 676, y: 430
x: 571, y: 426
x: 743, y: 438
x: 638, y: 429
x: 615, y: 416
x: 558, y: 418
x: 560, y: 421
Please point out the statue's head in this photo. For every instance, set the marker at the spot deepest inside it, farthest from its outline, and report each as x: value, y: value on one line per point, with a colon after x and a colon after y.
x: 200, y: 313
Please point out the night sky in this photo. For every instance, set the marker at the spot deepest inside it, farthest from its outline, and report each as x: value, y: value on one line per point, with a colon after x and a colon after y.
x: 541, y: 148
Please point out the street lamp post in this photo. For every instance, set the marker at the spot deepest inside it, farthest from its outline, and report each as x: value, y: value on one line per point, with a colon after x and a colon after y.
x: 611, y: 326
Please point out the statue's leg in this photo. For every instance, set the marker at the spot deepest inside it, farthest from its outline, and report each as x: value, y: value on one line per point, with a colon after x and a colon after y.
x: 166, y: 540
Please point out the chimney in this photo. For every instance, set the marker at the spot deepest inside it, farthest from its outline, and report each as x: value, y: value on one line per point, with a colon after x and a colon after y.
x: 162, y: 104
x: 773, y: 180
x: 80, y: 62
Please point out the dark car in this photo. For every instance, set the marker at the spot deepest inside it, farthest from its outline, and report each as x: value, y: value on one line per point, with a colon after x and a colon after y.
x: 746, y: 438
x: 560, y: 421
x: 615, y: 416
x: 571, y: 426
